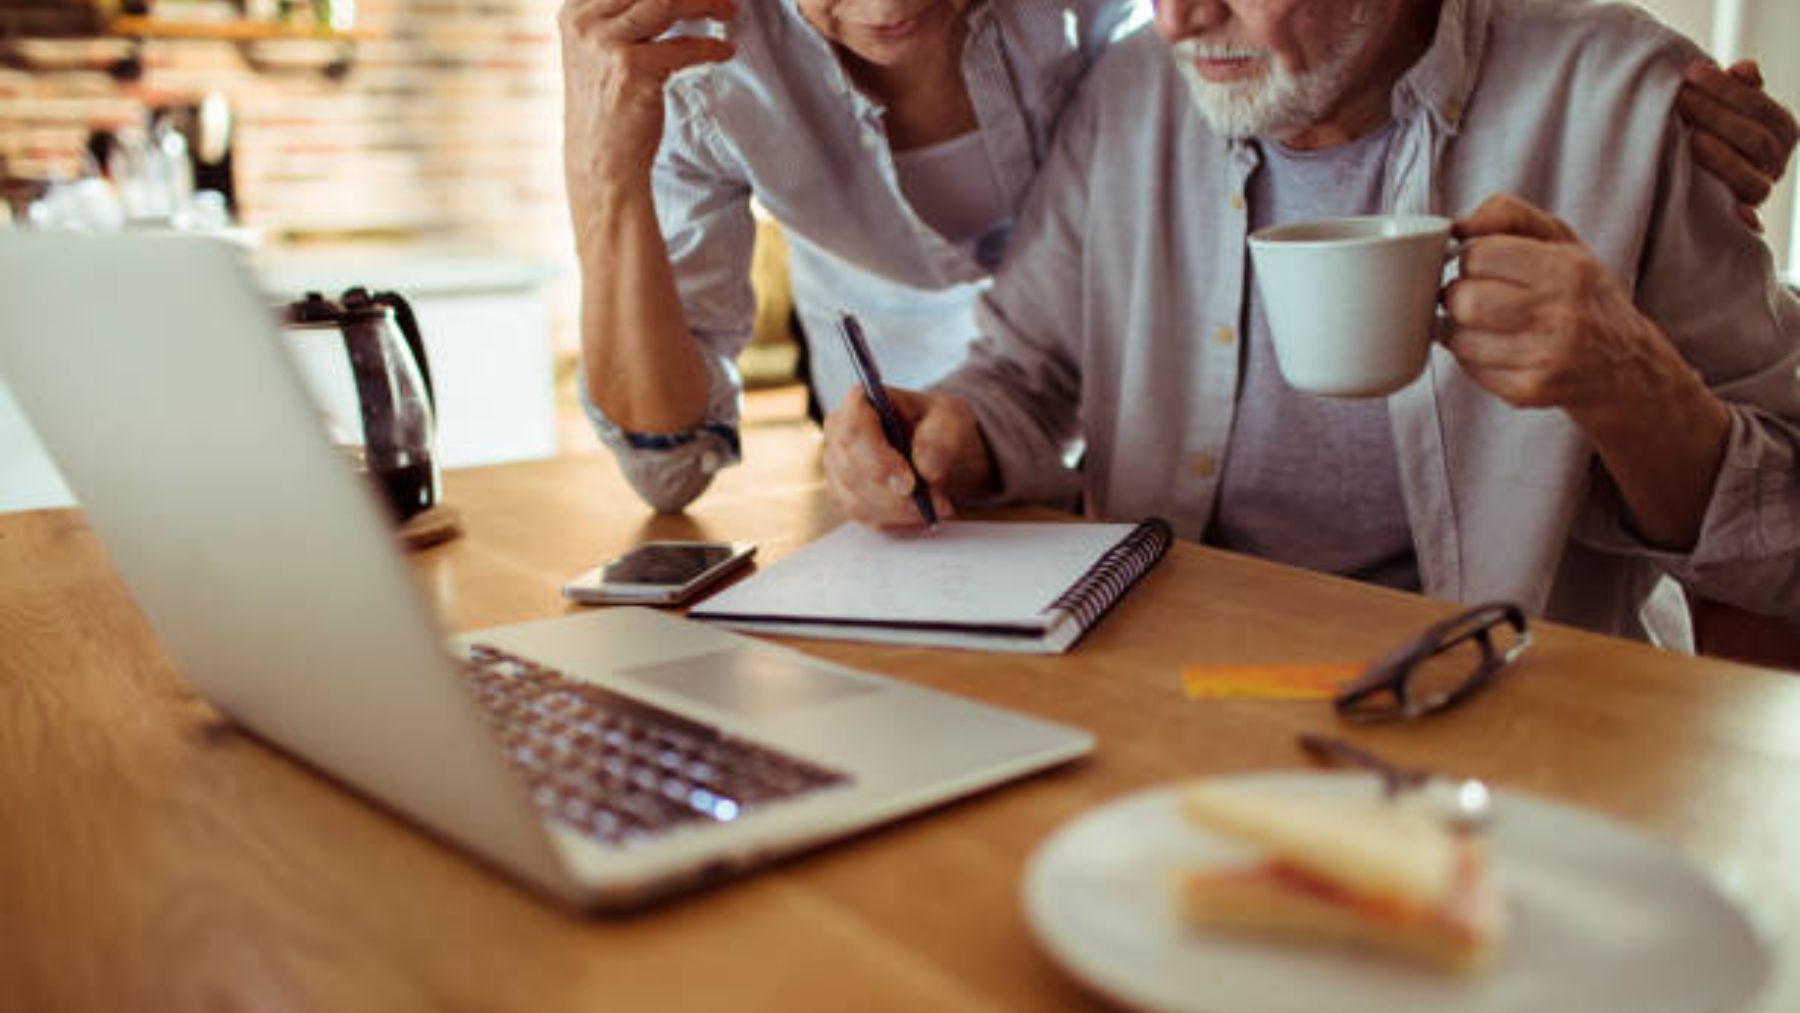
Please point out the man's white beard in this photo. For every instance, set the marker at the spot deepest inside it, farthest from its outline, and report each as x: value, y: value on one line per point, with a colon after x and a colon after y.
x: 1277, y: 103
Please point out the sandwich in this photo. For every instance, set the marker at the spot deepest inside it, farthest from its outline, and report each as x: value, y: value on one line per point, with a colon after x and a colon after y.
x: 1382, y: 874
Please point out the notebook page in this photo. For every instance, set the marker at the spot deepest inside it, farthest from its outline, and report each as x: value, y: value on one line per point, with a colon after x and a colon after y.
x: 973, y: 572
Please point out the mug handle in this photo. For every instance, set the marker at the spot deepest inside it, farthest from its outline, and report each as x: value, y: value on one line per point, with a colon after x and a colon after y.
x: 1441, y: 325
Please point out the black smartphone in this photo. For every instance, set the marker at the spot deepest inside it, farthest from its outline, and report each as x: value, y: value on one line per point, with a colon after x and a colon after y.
x: 658, y: 573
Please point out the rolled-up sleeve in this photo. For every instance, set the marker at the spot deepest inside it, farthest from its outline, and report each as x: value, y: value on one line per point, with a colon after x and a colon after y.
x: 669, y: 470
x: 703, y: 210
x: 1709, y: 283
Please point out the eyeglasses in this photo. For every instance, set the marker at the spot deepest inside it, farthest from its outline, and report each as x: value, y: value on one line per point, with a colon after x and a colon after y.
x: 1446, y: 665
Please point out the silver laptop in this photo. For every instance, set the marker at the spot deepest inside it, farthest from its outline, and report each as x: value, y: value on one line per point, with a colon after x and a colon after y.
x: 606, y: 758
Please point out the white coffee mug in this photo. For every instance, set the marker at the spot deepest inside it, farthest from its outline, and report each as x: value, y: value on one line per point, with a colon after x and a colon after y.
x: 1350, y: 301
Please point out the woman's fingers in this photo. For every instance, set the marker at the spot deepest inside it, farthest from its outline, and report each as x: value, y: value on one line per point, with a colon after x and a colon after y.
x: 632, y: 21
x: 1741, y: 135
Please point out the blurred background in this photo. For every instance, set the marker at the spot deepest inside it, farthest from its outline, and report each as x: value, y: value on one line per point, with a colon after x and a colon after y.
x: 411, y: 145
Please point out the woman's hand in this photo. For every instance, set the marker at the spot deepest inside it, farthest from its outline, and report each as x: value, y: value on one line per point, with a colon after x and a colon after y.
x: 613, y: 77
x: 1741, y: 135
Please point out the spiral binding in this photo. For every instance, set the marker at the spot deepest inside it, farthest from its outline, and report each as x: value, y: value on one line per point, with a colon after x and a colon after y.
x: 1104, y: 583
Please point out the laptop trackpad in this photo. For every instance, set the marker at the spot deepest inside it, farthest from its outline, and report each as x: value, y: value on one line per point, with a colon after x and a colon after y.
x: 749, y: 682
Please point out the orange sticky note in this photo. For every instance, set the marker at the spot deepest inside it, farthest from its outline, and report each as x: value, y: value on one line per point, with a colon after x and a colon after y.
x: 1267, y: 682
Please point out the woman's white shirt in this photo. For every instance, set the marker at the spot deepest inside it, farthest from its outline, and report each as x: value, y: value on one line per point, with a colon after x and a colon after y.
x: 783, y: 123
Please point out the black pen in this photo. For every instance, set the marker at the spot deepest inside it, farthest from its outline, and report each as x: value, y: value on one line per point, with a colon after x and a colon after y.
x: 899, y: 435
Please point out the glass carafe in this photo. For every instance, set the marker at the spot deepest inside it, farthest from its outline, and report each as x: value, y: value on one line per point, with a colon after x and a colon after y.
x: 365, y: 362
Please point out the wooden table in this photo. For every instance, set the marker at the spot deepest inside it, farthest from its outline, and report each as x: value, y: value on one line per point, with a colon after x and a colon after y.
x: 154, y: 857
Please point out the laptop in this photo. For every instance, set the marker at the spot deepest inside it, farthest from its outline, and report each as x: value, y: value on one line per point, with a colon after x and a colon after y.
x: 607, y: 758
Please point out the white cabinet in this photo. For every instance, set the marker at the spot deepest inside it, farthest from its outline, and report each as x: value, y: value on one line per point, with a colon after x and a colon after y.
x: 491, y: 368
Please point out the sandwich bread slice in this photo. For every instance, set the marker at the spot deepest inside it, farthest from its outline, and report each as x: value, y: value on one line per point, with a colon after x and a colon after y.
x: 1377, y: 873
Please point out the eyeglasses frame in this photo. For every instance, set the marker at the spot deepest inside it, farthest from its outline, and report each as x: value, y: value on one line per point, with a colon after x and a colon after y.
x: 1391, y: 673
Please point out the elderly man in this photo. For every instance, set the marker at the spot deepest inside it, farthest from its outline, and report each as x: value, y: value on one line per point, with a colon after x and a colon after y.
x: 1618, y: 399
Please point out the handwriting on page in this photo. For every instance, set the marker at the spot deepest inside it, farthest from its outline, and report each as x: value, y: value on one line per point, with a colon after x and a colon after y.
x: 965, y: 572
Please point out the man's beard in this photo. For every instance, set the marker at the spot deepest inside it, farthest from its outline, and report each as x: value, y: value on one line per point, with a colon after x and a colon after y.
x: 1277, y: 103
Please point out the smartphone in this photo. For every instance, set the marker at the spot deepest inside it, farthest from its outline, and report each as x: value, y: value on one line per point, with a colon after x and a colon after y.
x: 658, y: 573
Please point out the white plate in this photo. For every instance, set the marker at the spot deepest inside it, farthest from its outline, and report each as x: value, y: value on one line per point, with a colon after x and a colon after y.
x: 1601, y: 918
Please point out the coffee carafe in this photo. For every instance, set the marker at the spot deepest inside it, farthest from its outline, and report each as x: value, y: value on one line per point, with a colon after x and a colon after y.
x: 366, y: 365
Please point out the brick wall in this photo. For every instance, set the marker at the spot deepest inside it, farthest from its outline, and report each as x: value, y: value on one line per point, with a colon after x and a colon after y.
x: 447, y: 130
x: 446, y: 127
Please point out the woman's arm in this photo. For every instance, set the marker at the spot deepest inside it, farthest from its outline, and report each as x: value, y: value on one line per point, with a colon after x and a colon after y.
x: 641, y: 366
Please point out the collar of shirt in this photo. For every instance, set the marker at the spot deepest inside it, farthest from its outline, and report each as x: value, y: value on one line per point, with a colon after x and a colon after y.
x: 1428, y: 104
x: 1441, y: 82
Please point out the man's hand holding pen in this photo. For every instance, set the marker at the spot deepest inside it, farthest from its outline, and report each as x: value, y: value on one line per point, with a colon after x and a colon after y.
x: 872, y: 482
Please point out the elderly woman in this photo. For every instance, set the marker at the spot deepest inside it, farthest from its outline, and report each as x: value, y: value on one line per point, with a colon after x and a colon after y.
x: 893, y: 140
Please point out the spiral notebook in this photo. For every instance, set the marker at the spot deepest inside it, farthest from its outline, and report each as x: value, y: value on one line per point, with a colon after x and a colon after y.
x: 1029, y: 587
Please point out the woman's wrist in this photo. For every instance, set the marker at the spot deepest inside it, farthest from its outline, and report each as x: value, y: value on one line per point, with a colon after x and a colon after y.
x: 609, y: 210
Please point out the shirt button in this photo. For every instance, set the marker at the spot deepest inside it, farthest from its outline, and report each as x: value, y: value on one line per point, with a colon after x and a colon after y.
x: 1453, y: 110
x: 1204, y: 465
x: 870, y: 141
x: 709, y: 462
x: 1237, y: 202
x: 1224, y: 336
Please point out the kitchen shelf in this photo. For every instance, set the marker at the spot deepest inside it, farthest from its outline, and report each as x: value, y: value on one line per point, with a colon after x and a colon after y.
x: 230, y: 31
x: 266, y: 46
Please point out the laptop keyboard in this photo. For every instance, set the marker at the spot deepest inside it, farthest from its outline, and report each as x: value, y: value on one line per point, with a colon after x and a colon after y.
x: 620, y: 769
